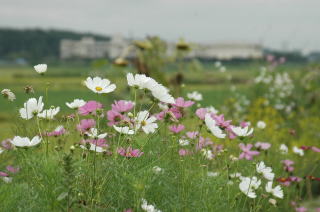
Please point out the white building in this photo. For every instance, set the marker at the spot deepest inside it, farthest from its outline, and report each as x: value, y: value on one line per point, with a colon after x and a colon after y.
x: 89, y: 48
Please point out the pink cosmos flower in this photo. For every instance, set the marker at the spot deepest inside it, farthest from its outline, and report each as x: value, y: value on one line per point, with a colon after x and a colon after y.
x: 201, y: 113
x: 244, y: 124
x: 246, y: 151
x: 3, y: 174
x: 12, y: 169
x: 180, y: 102
x: 301, y: 209
x: 176, y: 128
x: 6, y: 144
x: 129, y: 152
x: 86, y: 124
x: 262, y: 145
x: 220, y: 121
x: 173, y: 112
x: 315, y: 149
x: 184, y: 152
x: 192, y: 134
x: 287, y: 165
x: 122, y: 106
x: 90, y: 108
x: 114, y: 117
x: 101, y: 142
x: 203, y: 142
x: 57, y: 132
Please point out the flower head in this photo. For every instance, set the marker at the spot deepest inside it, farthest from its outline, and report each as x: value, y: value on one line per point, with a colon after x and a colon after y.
x: 85, y: 125
x: 129, y: 152
x: 124, y: 130
x: 176, y: 128
x: 261, y: 124
x: 147, y: 123
x: 122, y: 106
x: 99, y: 85
x: 265, y: 171
x: 41, y: 68
x: 247, y: 153
x: 180, y: 102
x: 262, y: 145
x: 7, y: 93
x: 249, y: 185
x: 276, y: 191
x: 298, y: 151
x: 242, y: 132
x: 31, y: 108
x: 196, y: 96
x: 77, y: 103
x: 25, y: 141
x: 90, y: 108
x: 50, y: 113
x: 215, y: 130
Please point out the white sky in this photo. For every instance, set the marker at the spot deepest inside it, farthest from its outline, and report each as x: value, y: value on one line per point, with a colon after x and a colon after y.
x: 274, y: 23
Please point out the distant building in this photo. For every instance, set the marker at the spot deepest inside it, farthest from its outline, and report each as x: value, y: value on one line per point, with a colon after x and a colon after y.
x: 89, y: 48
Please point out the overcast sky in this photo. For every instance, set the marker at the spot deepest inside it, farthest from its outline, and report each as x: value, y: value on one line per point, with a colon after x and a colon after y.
x: 274, y: 23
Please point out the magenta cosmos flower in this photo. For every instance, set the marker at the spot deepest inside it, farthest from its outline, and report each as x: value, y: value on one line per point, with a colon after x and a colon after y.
x: 184, y: 152
x: 114, y: 117
x: 180, y: 102
x: 129, y: 152
x: 90, y: 108
x: 246, y: 151
x: 86, y: 124
x: 176, y: 128
x: 101, y: 142
x: 122, y: 106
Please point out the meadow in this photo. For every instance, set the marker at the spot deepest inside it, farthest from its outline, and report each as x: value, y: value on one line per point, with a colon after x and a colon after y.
x: 181, y: 155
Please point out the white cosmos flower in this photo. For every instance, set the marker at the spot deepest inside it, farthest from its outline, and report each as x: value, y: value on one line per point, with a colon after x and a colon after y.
x: 184, y: 142
x: 1, y: 150
x: 261, y: 124
x: 93, y: 133
x: 249, y: 185
x: 158, y: 91
x: 207, y: 153
x: 139, y: 80
x: 276, y: 191
x: 195, y: 95
x: 212, y: 174
x: 211, y: 124
x: 124, y: 130
x: 7, y: 93
x: 161, y: 93
x: 236, y: 175
x: 25, y: 141
x: 265, y: 171
x: 148, y: 208
x: 242, y: 132
x: 145, y: 122
x: 7, y: 179
x: 93, y: 148
x: 76, y: 103
x: 41, y: 68
x: 211, y: 109
x: 99, y: 85
x: 298, y: 151
x: 31, y: 108
x: 157, y: 169
x: 283, y: 149
x: 50, y: 113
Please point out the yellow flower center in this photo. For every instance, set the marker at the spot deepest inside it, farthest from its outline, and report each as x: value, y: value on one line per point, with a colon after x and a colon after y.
x: 98, y: 88
x: 143, y: 123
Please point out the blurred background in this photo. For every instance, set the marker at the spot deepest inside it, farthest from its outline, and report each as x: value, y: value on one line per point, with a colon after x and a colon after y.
x: 211, y: 46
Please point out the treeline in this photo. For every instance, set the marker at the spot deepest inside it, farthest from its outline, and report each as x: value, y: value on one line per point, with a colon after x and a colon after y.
x: 35, y: 44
